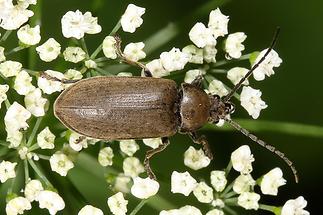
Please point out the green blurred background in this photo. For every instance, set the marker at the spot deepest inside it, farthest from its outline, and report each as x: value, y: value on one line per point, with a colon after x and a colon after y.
x: 294, y: 94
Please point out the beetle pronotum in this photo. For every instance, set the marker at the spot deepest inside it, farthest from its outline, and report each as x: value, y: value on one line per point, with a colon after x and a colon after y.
x: 117, y: 108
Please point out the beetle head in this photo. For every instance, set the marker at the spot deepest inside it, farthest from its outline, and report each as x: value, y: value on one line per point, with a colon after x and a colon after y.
x: 220, y: 109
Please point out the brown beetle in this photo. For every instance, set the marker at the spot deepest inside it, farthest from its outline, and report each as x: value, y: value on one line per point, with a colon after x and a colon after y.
x: 117, y: 108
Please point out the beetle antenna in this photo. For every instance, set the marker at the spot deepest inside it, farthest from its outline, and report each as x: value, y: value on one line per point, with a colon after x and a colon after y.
x: 238, y: 85
x: 265, y: 145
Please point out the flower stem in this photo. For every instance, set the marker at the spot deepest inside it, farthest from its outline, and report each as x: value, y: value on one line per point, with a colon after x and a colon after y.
x: 229, y: 195
x: 231, y: 201
x: 7, y: 103
x: 33, y: 147
x: 83, y: 44
x: 228, y: 169
x: 5, y: 36
x: 4, y: 143
x: 26, y: 171
x: 229, y: 210
x: 15, y: 50
x: 39, y: 173
x: 44, y: 157
x: 268, y: 208
x: 224, y: 62
x: 116, y: 28
x: 138, y: 207
x: 227, y: 189
x: 33, y: 133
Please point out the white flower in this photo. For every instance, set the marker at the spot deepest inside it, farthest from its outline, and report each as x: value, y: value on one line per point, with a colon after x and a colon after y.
x: 33, y: 189
x: 16, y: 117
x: 35, y: 103
x: 10, y: 68
x: 117, y: 204
x: 243, y: 183
x: 46, y: 139
x: 182, y: 183
x: 174, y: 60
x: 23, y: 84
x: 209, y: 54
x: 233, y: 44
x: 105, y: 156
x: 60, y: 163
x: 236, y: 74
x: 7, y: 170
x: 218, y: 180
x: 295, y: 207
x: 90, y: 210
x: 131, y: 19
x: 14, y: 15
x: 3, y: 90
x: 73, y: 74
x: 156, y: 68
x: 129, y: 147
x: 266, y: 67
x: 51, y: 86
x: 134, y: 51
x: 201, y: 36
x: 75, y: 24
x: 152, y: 142
x: 249, y: 200
x: 17, y: 206
x: 195, y: 159
x: 251, y: 101
x: 132, y: 167
x: 215, y: 212
x: 51, y: 201
x: 24, y: 153
x: 122, y: 183
x: 108, y: 47
x: 241, y: 159
x: 218, y: 23
x: 144, y: 188
x: 203, y: 193
x: 77, y: 141
x: 14, y: 137
x: 28, y: 35
x: 90, y: 64
x: 74, y: 54
x: 186, y: 210
x: 2, y: 56
x: 216, y: 87
x: 196, y: 54
x: 191, y: 75
x: 271, y: 181
x: 218, y: 203
x: 49, y: 51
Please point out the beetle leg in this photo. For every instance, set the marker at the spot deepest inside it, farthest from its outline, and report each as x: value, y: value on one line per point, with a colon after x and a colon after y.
x: 198, y: 81
x: 151, y: 153
x: 203, y: 141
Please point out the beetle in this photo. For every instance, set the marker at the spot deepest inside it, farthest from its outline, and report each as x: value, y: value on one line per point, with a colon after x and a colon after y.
x: 118, y: 108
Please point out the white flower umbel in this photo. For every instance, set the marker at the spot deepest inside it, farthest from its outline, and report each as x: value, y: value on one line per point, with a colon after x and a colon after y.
x: 215, y: 212
x: 295, y: 207
x: 33, y: 189
x: 152, y: 142
x: 3, y: 90
x: 134, y: 51
x: 241, y: 159
x: 191, y: 75
x: 243, y: 183
x: 249, y: 200
x: 117, y: 204
x: 236, y: 74
x: 23, y: 84
x: 251, y: 101
x: 108, y: 47
x: 24, y: 153
x: 218, y: 23
x: 50, y: 86
x: 16, y: 117
x: 105, y: 156
x: 49, y: 50
x: 75, y: 24
x: 216, y: 87
x: 271, y: 181
x: 195, y: 159
x: 2, y: 56
x: 7, y: 170
x: 35, y: 103
x: 143, y: 188
x: 203, y: 193
x: 10, y: 68
x: 201, y: 36
x: 122, y: 183
x: 156, y: 68
x: 46, y: 139
x: 174, y: 60
x: 90, y: 210
x: 15, y: 15
x: 196, y: 54
x: 77, y: 142
x: 233, y: 44
x: 51, y: 201
x: 187, y: 210
x: 131, y: 19
x: 17, y: 205
x: 73, y: 74
x: 218, y: 180
x: 182, y: 183
x: 266, y: 68
x: 29, y: 36
x: 129, y: 147
x: 14, y: 137
x: 60, y: 163
x: 132, y: 167
x: 74, y: 54
x: 90, y: 64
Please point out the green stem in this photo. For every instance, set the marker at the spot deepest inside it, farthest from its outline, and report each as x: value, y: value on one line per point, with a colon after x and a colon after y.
x: 229, y: 210
x: 7, y: 103
x: 33, y: 147
x: 83, y: 45
x: 231, y: 201
x: 138, y: 207
x: 5, y: 36
x: 227, y: 189
x: 224, y: 62
x: 44, y: 157
x: 39, y: 173
x: 26, y: 171
x: 228, y: 169
x: 229, y: 195
x: 116, y: 28
x: 15, y: 50
x: 4, y: 143
x: 33, y: 133
x: 268, y: 208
